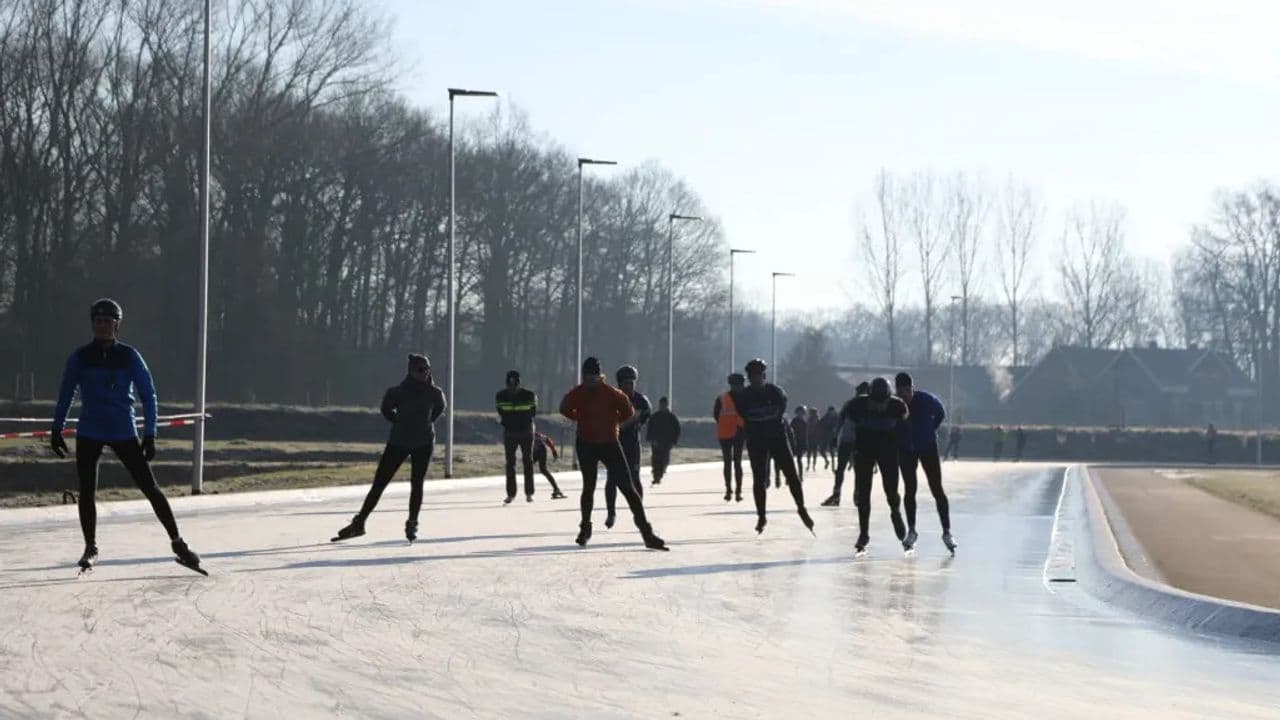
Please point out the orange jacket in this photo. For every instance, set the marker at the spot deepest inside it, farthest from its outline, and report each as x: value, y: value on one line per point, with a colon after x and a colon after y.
x: 728, y: 422
x: 598, y: 411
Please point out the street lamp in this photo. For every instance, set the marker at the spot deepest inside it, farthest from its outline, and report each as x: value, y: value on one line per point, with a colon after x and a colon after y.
x: 671, y: 291
x: 733, y: 362
x: 581, y: 162
x: 951, y: 355
x: 202, y: 331
x: 773, y: 324
x: 573, y: 377
x: 453, y: 300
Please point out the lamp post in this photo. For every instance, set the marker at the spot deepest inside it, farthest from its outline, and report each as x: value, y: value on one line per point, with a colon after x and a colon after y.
x: 671, y: 291
x: 573, y: 377
x: 733, y: 252
x: 951, y: 390
x: 453, y: 300
x: 578, y: 362
x: 202, y: 322
x: 773, y: 324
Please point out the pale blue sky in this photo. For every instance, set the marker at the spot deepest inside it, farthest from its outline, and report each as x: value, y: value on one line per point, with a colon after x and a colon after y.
x: 780, y: 112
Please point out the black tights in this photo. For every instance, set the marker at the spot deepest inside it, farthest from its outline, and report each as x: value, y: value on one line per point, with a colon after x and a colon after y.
x: 929, y: 461
x: 864, y: 463
x: 777, y: 449
x: 590, y: 457
x: 392, y: 458
x: 88, y: 452
x: 731, y: 454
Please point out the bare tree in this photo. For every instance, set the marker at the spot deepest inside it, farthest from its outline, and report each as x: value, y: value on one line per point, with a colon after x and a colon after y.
x: 880, y: 245
x: 1096, y: 278
x: 1020, y: 214
x: 968, y: 205
x: 927, y: 220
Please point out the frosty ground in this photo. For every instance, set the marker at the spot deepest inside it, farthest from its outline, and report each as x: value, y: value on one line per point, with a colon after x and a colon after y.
x: 495, y: 613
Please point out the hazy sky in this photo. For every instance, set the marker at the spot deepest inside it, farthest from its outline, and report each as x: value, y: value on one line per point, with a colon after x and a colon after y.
x: 780, y: 112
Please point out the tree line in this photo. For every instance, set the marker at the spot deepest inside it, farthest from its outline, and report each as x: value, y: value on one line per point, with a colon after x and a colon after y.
x: 329, y: 223
x: 329, y: 212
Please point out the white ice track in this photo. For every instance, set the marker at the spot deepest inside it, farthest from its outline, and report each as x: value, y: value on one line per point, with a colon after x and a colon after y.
x: 496, y: 614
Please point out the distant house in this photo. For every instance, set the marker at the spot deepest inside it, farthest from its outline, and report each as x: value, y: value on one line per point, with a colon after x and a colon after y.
x: 1148, y: 386
x: 979, y: 392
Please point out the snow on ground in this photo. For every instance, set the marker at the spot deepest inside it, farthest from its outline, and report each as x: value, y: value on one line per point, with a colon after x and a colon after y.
x: 494, y: 613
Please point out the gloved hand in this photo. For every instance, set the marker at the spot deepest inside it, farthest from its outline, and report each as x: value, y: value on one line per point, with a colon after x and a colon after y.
x: 149, y: 448
x: 58, y: 444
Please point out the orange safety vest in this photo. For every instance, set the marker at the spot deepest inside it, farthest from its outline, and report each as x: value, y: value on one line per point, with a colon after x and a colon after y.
x: 730, y: 421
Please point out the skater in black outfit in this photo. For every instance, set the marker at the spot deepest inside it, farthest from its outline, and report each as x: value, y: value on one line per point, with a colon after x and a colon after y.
x: 799, y: 440
x: 107, y: 373
x: 412, y: 408
x: 730, y: 433
x: 847, y: 437
x: 828, y: 426
x: 663, y: 434
x: 629, y: 438
x: 918, y: 449
x: 517, y: 407
x: 877, y: 415
x: 764, y: 407
x: 598, y: 409
x: 541, y: 444
x: 953, y: 443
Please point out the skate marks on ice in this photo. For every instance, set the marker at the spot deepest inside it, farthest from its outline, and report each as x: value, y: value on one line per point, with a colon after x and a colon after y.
x: 502, y: 616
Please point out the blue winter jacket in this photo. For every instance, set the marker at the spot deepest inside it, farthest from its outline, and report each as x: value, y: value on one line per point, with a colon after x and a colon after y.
x: 919, y: 431
x: 107, y: 374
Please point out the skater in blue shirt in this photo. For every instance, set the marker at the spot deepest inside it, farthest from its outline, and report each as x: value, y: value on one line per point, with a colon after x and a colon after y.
x: 107, y: 373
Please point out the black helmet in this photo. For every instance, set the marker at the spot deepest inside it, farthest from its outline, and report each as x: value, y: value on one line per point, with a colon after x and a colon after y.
x: 756, y: 365
x: 513, y: 375
x: 880, y: 389
x: 106, y: 307
x: 864, y: 388
x: 736, y: 379
x: 591, y: 365
x: 627, y: 372
x: 902, y: 380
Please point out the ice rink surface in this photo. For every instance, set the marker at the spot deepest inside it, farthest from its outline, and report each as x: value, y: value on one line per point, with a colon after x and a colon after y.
x: 495, y: 613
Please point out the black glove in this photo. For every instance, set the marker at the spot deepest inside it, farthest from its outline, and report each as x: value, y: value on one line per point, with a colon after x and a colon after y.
x: 58, y: 444
x: 149, y: 448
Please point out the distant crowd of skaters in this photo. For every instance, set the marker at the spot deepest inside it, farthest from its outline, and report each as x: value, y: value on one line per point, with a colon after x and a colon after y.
x: 887, y: 429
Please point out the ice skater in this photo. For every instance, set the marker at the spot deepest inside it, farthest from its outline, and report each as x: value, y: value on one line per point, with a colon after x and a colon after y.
x: 663, y: 434
x: 764, y: 408
x: 730, y: 433
x: 877, y: 414
x: 846, y: 445
x: 107, y: 373
x: 598, y: 410
x: 628, y: 438
x: 918, y: 449
x: 412, y: 408
x: 541, y: 444
x: 517, y: 406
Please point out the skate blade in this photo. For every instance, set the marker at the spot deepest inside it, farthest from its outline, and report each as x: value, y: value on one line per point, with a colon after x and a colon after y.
x: 859, y: 553
x: 84, y: 571
x: 193, y: 568
x: 909, y: 552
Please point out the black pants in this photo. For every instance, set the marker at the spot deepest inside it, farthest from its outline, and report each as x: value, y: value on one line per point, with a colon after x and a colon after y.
x: 88, y: 452
x: 630, y: 453
x: 590, y: 457
x: 953, y: 450
x: 822, y: 450
x: 541, y: 460
x: 844, y: 456
x: 660, y: 456
x: 798, y: 453
x: 865, y: 460
x: 778, y: 450
x: 392, y: 458
x: 524, y: 441
x: 731, y: 453
x: 929, y: 461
